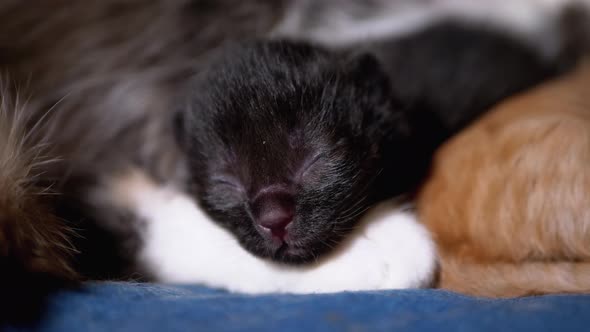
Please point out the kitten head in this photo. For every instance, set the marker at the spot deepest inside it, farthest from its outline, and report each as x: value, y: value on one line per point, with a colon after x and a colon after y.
x: 285, y: 144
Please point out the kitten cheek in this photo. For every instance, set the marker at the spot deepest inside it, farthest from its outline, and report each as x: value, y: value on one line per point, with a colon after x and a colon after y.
x: 224, y: 204
x: 309, y: 228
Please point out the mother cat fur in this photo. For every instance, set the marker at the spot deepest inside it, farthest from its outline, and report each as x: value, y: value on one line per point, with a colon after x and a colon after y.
x: 508, y: 199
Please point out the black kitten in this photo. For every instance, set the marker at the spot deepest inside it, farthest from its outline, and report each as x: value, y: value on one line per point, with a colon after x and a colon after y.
x: 288, y: 144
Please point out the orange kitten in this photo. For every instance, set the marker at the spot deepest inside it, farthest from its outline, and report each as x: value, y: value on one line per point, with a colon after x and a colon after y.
x: 508, y: 201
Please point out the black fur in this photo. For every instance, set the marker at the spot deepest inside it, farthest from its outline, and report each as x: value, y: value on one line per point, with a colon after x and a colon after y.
x: 334, y: 132
x: 459, y: 70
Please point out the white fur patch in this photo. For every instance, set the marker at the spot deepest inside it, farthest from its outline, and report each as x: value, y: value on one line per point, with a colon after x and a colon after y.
x: 182, y: 245
x: 533, y: 20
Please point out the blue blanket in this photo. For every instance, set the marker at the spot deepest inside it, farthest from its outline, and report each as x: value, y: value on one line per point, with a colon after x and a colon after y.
x: 145, y: 307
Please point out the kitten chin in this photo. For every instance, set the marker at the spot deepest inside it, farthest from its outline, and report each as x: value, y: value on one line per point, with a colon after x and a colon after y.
x: 508, y: 198
x: 181, y: 244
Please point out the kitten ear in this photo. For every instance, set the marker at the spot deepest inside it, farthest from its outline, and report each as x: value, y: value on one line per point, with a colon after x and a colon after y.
x: 366, y: 70
x: 376, y: 111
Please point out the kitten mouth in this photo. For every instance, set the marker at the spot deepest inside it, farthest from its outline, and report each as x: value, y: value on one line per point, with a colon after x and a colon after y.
x: 281, y: 251
x: 292, y: 255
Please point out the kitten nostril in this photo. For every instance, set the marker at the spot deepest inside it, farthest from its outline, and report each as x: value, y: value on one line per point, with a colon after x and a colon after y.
x: 273, y: 212
x: 277, y: 226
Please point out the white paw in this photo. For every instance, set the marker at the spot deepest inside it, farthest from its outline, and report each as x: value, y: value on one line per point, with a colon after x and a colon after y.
x: 390, y: 250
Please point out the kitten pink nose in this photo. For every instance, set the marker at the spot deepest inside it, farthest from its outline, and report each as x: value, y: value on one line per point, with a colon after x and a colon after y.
x: 273, y: 211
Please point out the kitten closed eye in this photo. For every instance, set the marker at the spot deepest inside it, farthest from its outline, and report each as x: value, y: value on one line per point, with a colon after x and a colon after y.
x: 308, y: 165
x: 225, y: 180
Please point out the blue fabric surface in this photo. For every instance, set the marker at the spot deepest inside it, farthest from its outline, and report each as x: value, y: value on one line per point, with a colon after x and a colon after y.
x: 145, y: 307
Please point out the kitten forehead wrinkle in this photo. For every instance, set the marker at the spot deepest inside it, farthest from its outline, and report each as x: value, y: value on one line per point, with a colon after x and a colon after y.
x: 390, y: 250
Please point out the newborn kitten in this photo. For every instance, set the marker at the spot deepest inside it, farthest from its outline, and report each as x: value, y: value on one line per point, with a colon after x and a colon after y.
x: 288, y: 144
x: 508, y: 198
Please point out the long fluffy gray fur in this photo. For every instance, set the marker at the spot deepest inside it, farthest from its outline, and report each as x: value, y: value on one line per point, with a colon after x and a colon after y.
x: 108, y: 70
